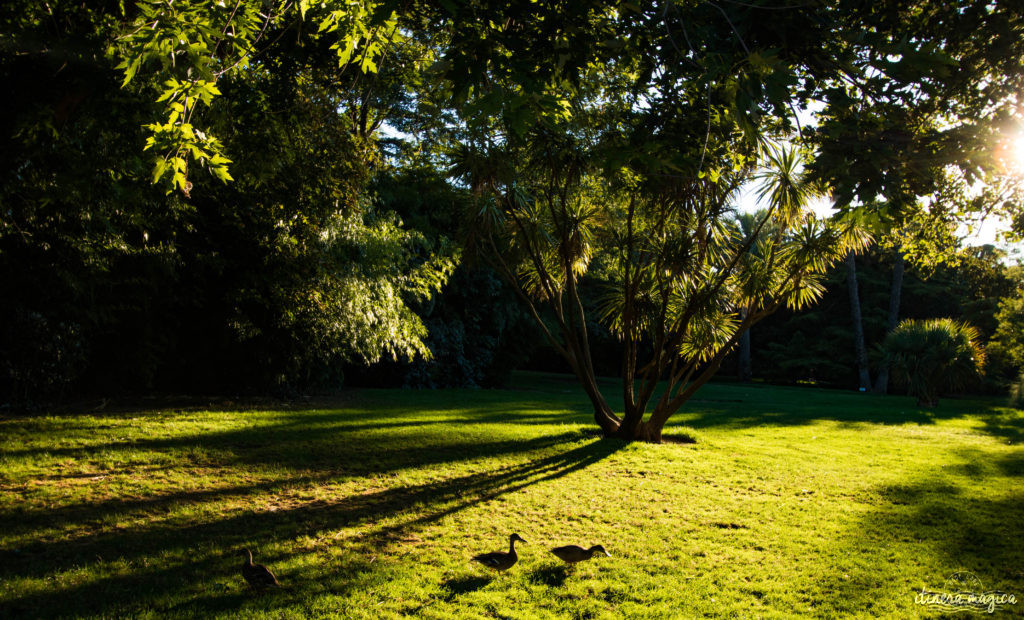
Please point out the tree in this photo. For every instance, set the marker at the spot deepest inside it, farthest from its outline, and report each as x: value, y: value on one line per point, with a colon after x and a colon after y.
x: 933, y: 356
x: 1008, y: 340
x: 108, y: 283
x: 604, y: 140
x: 888, y: 139
x: 895, y: 292
x: 478, y: 332
x: 76, y: 257
x: 676, y: 273
x: 896, y: 116
x: 339, y: 276
x: 863, y: 372
x: 817, y: 344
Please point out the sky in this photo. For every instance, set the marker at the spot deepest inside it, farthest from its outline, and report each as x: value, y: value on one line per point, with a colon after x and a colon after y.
x: 986, y: 233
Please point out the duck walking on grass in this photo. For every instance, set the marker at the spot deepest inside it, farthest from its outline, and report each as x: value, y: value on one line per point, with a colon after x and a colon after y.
x: 499, y: 560
x: 258, y: 575
x: 571, y: 554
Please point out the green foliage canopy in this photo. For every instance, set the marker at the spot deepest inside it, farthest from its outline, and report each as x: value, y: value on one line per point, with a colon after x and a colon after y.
x: 603, y: 141
x: 109, y: 283
x: 1009, y: 335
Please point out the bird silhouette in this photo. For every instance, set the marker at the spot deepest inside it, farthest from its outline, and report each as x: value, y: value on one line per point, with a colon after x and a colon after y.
x: 499, y: 560
x: 258, y: 576
x: 571, y: 554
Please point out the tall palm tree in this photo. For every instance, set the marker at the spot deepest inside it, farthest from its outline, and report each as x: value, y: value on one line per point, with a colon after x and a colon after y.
x: 747, y: 223
x: 895, y: 293
x: 858, y: 324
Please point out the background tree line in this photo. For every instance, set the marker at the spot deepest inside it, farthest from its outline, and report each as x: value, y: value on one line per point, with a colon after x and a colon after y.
x: 818, y: 345
x: 279, y: 196
x: 109, y: 284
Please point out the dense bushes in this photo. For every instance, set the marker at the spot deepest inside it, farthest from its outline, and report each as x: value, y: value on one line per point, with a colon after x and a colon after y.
x: 816, y: 345
x: 933, y: 356
x: 109, y: 285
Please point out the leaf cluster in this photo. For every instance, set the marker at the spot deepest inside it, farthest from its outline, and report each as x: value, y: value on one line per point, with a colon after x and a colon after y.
x: 933, y: 355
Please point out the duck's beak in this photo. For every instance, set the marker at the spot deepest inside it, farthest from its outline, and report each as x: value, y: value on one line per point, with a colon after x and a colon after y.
x: 607, y: 554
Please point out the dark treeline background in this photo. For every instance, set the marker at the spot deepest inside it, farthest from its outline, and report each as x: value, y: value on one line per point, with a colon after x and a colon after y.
x: 817, y: 345
x: 814, y: 346
x: 109, y: 285
x: 140, y: 291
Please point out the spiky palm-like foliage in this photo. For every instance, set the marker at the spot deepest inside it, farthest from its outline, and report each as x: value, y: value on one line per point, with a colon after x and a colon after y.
x: 680, y: 281
x: 933, y: 355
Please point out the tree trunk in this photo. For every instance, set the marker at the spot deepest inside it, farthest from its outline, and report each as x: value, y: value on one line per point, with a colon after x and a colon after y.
x: 640, y: 431
x: 609, y: 427
x: 603, y: 414
x: 630, y: 425
x: 882, y: 381
x: 649, y: 433
x: 745, y: 373
x: 858, y: 325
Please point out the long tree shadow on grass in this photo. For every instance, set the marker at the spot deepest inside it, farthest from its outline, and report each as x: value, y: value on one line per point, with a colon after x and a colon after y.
x: 173, y: 586
x: 923, y: 531
x: 748, y: 406
x: 367, y: 459
x: 297, y: 439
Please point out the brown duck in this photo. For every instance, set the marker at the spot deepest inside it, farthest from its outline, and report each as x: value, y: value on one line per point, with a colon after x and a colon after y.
x: 258, y: 575
x: 571, y: 554
x: 499, y: 560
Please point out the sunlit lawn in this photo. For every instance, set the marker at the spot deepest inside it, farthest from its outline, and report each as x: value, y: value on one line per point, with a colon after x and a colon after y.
x: 793, y: 502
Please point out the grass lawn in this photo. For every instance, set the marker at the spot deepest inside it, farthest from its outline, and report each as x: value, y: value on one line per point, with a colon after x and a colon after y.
x: 793, y: 502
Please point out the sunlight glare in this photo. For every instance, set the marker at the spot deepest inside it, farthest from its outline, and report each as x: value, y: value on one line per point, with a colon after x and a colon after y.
x: 1017, y: 153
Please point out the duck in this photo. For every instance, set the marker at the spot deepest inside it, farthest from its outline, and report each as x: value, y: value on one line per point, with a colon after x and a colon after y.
x: 499, y: 560
x: 258, y: 576
x: 571, y: 554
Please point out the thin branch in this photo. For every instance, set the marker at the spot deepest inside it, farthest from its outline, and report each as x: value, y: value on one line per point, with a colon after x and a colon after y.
x: 671, y: 39
x: 733, y: 26
x: 707, y: 134
x: 224, y: 31
x: 252, y: 46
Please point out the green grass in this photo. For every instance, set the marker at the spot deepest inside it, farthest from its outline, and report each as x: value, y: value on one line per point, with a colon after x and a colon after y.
x: 793, y: 502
